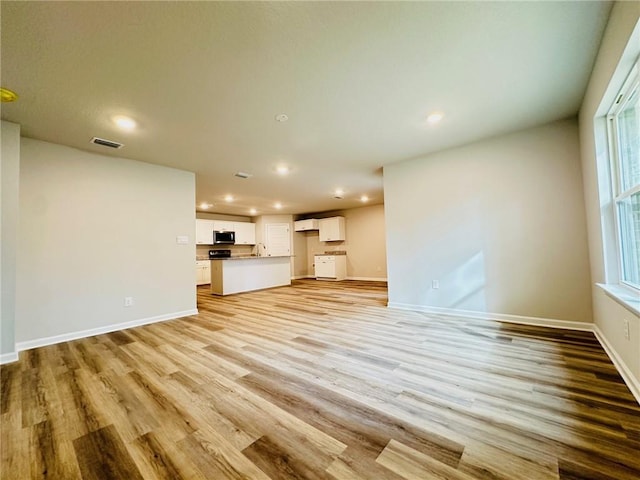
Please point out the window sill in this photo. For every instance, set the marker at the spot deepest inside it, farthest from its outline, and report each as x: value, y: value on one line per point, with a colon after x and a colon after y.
x: 624, y: 296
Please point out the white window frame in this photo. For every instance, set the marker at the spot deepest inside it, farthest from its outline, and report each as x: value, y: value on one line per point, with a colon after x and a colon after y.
x: 631, y: 85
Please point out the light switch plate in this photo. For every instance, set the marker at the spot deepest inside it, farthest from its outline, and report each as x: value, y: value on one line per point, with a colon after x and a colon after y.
x: 182, y: 240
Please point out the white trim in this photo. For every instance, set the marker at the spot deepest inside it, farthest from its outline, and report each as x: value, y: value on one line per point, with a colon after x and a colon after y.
x: 623, y: 370
x: 368, y: 279
x: 623, y: 295
x: 503, y: 317
x: 361, y: 279
x: 632, y: 383
x: 8, y: 357
x: 66, y: 337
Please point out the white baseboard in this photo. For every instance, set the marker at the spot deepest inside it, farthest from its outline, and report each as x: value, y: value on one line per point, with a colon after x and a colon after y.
x: 8, y: 357
x: 503, y: 317
x: 362, y: 279
x: 368, y: 279
x: 632, y: 383
x: 624, y: 371
x: 66, y: 337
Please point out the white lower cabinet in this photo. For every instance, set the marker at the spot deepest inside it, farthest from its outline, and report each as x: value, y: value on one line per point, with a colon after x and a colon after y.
x: 203, y: 272
x: 330, y: 267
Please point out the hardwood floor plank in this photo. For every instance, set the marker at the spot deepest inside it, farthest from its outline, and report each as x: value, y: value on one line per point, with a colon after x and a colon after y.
x: 10, y: 388
x: 347, y: 468
x: 216, y: 458
x: 158, y: 458
x: 102, y: 454
x: 14, y: 447
x: 51, y: 454
x: 285, y: 461
x: 413, y: 465
x: 482, y: 459
x: 177, y: 421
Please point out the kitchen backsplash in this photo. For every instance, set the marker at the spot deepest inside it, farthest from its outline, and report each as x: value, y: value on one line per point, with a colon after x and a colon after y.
x: 203, y: 250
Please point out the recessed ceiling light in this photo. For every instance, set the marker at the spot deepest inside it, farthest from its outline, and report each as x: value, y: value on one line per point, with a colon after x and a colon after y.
x: 253, y: 211
x: 435, y: 117
x: 364, y: 198
x: 277, y: 205
x: 228, y: 198
x: 282, y: 169
x: 204, y: 205
x: 125, y: 123
x: 7, y: 95
x: 282, y: 117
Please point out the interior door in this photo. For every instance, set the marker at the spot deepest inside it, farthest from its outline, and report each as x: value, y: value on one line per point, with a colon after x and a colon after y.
x: 277, y: 240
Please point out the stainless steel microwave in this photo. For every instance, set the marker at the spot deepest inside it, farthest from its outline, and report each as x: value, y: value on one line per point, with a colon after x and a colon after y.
x: 224, y: 238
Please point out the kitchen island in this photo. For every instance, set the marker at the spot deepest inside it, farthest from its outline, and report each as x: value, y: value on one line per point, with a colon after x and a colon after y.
x: 244, y: 274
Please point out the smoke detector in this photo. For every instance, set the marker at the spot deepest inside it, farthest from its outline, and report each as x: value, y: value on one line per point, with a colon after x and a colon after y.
x: 242, y: 175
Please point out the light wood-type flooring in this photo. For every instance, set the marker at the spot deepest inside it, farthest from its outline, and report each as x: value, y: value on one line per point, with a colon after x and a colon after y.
x: 319, y: 381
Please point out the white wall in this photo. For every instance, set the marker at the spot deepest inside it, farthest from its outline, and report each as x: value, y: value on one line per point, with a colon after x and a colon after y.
x: 499, y: 223
x: 619, y: 50
x: 300, y: 260
x: 365, y: 243
x: 95, y: 229
x: 9, y: 175
x: 223, y: 216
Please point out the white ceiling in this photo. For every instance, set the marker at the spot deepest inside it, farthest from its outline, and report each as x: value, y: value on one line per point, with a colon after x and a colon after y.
x: 205, y: 80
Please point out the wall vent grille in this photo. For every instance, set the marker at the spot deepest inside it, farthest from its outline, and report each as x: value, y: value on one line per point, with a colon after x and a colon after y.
x: 106, y: 143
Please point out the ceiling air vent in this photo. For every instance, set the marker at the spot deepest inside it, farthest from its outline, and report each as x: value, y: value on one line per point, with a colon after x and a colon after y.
x: 106, y: 143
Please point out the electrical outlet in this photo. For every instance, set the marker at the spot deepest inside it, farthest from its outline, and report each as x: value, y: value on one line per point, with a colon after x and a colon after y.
x: 435, y: 284
x: 128, y: 301
x: 626, y: 329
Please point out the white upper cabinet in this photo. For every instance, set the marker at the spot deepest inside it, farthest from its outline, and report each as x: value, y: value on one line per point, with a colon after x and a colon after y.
x: 245, y: 233
x: 204, y: 232
x: 306, y: 225
x: 331, y: 229
x: 223, y: 226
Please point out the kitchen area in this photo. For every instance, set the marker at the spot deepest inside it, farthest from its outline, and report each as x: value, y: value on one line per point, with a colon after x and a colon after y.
x: 231, y: 260
x: 239, y: 255
x: 330, y: 264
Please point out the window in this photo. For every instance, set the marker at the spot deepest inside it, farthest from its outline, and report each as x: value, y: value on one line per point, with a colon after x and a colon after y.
x: 624, y: 135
